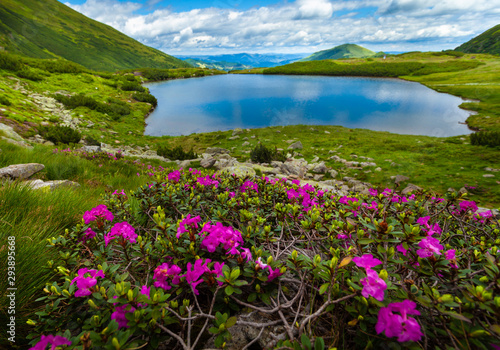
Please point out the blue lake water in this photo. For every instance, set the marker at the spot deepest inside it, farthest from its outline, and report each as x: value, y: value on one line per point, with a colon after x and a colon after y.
x: 231, y: 101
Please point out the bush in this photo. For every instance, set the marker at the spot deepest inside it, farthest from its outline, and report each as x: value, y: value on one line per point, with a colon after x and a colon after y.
x: 176, y: 153
x: 29, y: 74
x: 10, y: 62
x: 145, y: 97
x: 61, y: 134
x: 92, y: 141
x: 132, y: 86
x: 192, y: 254
x: 5, y: 101
x: 115, y: 108
x: 262, y: 154
x: 75, y: 101
x: 485, y: 138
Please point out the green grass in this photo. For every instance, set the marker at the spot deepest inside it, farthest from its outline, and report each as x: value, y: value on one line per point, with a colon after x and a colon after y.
x: 487, y: 42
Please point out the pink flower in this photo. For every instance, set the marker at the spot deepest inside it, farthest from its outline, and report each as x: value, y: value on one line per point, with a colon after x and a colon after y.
x: 273, y: 273
x: 246, y: 254
x: 122, y: 193
x: 373, y: 192
x: 401, y: 326
x: 402, y: 249
x: 249, y: 185
x: 54, y: 340
x: 119, y: 315
x: 145, y: 290
x: 193, y: 276
x: 174, y: 176
x: 165, y: 272
x: 373, y: 285
x: 217, y: 270
x: 220, y: 234
x: 101, y: 211
x: 466, y: 205
x: 89, y: 234
x: 83, y: 283
x: 261, y: 264
x: 206, y: 181
x: 429, y: 245
x: 188, y: 221
x: 121, y: 229
x: 450, y: 255
x: 367, y: 261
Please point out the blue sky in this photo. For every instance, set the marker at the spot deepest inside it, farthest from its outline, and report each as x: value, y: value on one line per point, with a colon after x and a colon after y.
x: 299, y: 26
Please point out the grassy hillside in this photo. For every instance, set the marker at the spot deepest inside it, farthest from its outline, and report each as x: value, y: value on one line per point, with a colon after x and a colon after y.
x: 49, y: 29
x: 341, y: 51
x: 487, y: 42
x: 225, y: 66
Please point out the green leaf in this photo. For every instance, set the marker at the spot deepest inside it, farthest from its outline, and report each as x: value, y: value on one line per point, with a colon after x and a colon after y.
x: 457, y: 316
x: 235, y: 274
x: 319, y: 344
x: 365, y: 241
x: 230, y: 322
x: 229, y: 290
x: 324, y: 288
x: 306, y: 342
x: 214, y: 330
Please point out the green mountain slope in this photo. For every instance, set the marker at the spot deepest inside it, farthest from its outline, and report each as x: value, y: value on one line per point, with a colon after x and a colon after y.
x: 341, y: 51
x: 48, y: 28
x: 225, y: 66
x: 487, y: 42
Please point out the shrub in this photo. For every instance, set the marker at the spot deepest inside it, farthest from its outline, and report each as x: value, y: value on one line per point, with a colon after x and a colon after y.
x: 145, y: 97
x: 485, y: 138
x: 154, y: 74
x: 132, y: 86
x: 10, y: 62
x: 5, y: 101
x: 192, y: 254
x: 29, y: 74
x: 92, y: 141
x: 176, y: 153
x: 61, y: 134
x: 75, y: 101
x: 262, y: 154
x: 115, y: 108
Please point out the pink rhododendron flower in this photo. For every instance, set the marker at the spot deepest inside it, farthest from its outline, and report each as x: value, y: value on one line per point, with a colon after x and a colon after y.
x: 246, y: 254
x: 424, y: 221
x: 217, y: 270
x: 121, y: 229
x: 119, y: 315
x: 466, y: 205
x: 401, y: 326
x: 101, y: 211
x: 451, y: 255
x: 429, y: 245
x: 346, y: 200
x: 249, y: 185
x: 84, y: 283
x: 367, y: 261
x: 121, y: 193
x: 261, y: 264
x: 186, y: 223
x: 402, y: 249
x: 273, y: 273
x: 145, y: 290
x: 220, y: 234
x: 88, y: 235
x: 164, y: 273
x: 207, y: 181
x: 373, y: 192
x: 373, y: 285
x: 193, y: 276
x: 54, y: 340
x: 174, y: 176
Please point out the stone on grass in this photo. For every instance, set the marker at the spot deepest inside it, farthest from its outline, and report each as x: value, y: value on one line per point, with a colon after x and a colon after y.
x: 216, y: 150
x: 20, y: 171
x: 411, y: 188
x: 208, y: 162
x: 401, y: 178
x: 239, y: 170
x: 296, y: 145
x: 237, y: 131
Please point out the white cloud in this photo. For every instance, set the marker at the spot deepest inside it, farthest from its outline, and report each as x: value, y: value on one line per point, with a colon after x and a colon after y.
x: 301, y: 26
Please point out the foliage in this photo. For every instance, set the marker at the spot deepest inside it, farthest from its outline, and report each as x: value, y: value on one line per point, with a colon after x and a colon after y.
x: 374, y: 69
x: 486, y: 42
x: 176, y: 153
x: 145, y: 97
x: 5, y: 101
x: 92, y: 141
x: 30, y: 74
x: 485, y: 138
x: 191, y: 254
x: 449, y: 53
x: 132, y: 86
x: 61, y: 134
x: 10, y: 62
x: 262, y: 154
x: 115, y: 108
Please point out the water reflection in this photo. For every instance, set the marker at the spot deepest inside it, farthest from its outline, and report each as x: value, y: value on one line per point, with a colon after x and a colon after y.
x: 253, y: 101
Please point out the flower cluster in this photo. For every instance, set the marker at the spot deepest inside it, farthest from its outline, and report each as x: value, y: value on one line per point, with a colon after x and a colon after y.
x: 373, y: 285
x: 188, y: 222
x: 123, y: 230
x: 101, y: 211
x: 54, y: 340
x: 85, y: 283
x: 399, y: 325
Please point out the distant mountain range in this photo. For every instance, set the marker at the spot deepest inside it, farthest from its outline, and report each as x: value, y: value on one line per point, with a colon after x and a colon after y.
x: 487, y: 42
x: 342, y: 51
x: 247, y: 59
x: 48, y: 29
x: 226, y: 66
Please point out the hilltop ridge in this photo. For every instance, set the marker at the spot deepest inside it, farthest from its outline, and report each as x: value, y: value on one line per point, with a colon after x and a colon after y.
x: 342, y: 51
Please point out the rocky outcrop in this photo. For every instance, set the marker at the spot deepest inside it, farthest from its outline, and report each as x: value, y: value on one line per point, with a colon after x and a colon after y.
x: 296, y: 145
x: 51, y: 185
x: 11, y: 136
x: 20, y: 171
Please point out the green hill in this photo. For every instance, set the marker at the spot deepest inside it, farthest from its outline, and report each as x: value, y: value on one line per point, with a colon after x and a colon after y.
x: 49, y: 29
x: 342, y: 51
x: 487, y: 42
x: 225, y: 66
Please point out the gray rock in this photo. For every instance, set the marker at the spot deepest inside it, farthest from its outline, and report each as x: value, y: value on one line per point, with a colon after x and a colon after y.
x: 488, y: 175
x: 52, y: 185
x: 185, y: 164
x: 246, y: 143
x: 315, y: 159
x: 237, y: 131
x: 216, y: 150
x: 15, y: 142
x: 208, y: 162
x: 296, y: 145
x: 327, y: 132
x: 91, y: 149
x: 318, y: 177
x: 320, y: 168
x: 411, y: 188
x: 378, y: 169
x: 361, y: 188
x: 401, y: 178
x: 239, y: 170
x: 233, y: 137
x: 333, y: 173
x: 20, y: 171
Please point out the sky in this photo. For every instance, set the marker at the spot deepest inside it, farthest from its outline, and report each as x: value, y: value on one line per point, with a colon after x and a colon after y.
x: 302, y: 26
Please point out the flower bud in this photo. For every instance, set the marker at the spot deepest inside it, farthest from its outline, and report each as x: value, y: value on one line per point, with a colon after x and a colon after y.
x: 447, y: 298
x: 383, y: 274
x: 130, y: 295
x: 269, y: 260
x: 479, y: 333
x: 116, y: 343
x: 31, y: 322
x: 119, y: 288
x: 185, y: 302
x: 92, y: 304
x: 66, y: 293
x: 294, y: 255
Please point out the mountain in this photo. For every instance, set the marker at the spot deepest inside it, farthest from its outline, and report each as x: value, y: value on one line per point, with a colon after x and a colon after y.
x: 226, y: 66
x: 342, y: 51
x: 249, y: 59
x: 48, y: 29
x: 487, y: 42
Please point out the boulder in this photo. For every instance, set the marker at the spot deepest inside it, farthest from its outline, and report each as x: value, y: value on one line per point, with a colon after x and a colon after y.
x: 333, y: 173
x: 411, y: 188
x: 233, y: 137
x: 184, y: 164
x: 296, y: 145
x: 216, y: 150
x: 400, y: 178
x: 20, y: 171
x: 92, y: 149
x: 52, y: 185
x: 239, y: 170
x: 9, y: 132
x: 208, y: 162
x: 237, y: 131
x: 320, y: 168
